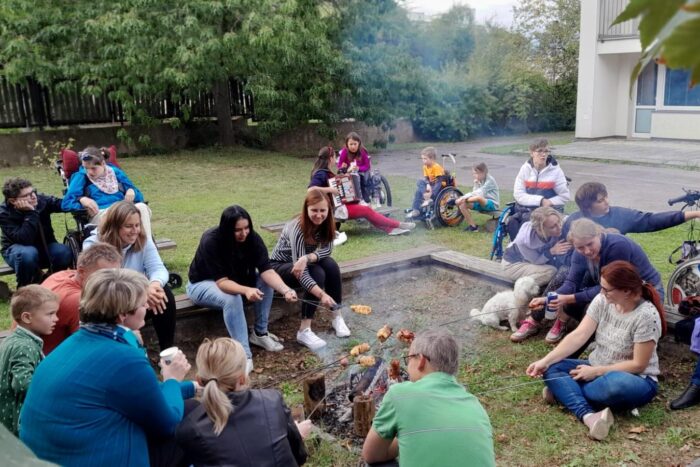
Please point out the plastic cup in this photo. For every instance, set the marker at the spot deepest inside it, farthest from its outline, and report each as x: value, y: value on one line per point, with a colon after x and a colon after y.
x: 168, y: 354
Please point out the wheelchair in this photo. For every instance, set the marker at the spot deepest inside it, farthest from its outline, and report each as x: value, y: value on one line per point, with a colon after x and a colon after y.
x: 501, y: 232
x: 442, y: 209
x: 67, y: 165
x: 375, y: 187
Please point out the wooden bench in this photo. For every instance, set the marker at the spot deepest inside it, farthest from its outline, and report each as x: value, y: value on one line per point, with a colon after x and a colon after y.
x: 278, y: 226
x: 162, y: 244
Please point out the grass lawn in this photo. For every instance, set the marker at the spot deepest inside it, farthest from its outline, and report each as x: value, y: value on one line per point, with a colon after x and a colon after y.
x: 188, y: 190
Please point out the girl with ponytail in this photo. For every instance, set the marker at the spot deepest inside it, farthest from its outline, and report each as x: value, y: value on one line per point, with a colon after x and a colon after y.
x: 231, y: 416
x: 621, y: 372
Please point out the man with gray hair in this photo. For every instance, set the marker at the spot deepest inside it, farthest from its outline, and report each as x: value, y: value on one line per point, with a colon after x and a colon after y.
x: 431, y: 420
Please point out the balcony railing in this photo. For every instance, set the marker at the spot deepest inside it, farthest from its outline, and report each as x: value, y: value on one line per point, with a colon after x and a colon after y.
x: 608, y: 10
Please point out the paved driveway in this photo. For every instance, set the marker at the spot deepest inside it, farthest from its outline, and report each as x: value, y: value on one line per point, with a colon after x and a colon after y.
x: 612, y: 162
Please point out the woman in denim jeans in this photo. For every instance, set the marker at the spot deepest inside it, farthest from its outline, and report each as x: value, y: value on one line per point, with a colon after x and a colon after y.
x: 621, y: 373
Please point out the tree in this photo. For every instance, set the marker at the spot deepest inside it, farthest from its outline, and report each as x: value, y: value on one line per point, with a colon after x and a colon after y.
x: 669, y: 32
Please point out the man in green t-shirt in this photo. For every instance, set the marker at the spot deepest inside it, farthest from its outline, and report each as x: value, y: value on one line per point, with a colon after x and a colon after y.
x: 431, y: 420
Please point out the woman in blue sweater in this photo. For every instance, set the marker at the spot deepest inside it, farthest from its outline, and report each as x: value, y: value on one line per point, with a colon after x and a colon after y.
x: 121, y: 227
x: 95, y: 399
x: 98, y: 185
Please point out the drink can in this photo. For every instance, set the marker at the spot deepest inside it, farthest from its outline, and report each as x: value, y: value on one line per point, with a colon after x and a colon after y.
x: 550, y: 312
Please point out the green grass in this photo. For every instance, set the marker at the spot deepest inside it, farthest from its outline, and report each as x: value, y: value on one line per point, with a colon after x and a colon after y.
x: 187, y: 191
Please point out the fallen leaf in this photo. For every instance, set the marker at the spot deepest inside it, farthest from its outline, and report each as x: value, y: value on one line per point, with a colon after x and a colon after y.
x: 502, y: 438
x: 634, y: 437
x: 258, y: 370
x: 685, y: 448
x: 638, y: 429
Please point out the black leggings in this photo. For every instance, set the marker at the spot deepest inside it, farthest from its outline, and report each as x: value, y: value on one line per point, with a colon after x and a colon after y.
x: 326, y: 273
x: 164, y: 323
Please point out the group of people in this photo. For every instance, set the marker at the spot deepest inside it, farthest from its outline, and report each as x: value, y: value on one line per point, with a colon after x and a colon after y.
x: 104, y: 403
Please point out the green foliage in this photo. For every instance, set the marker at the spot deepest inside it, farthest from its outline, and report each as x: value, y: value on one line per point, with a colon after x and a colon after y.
x: 668, y: 32
x: 47, y: 153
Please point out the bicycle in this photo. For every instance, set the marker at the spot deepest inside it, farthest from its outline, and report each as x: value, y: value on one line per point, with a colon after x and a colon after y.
x: 685, y: 279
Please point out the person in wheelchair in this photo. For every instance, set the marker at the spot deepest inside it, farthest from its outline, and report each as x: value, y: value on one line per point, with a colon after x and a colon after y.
x: 540, y: 182
x: 28, y: 240
x: 429, y: 185
x: 354, y: 158
x: 321, y: 173
x: 121, y: 228
x: 484, y: 196
x: 99, y: 184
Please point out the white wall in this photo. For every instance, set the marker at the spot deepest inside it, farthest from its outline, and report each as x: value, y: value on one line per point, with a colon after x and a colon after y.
x: 676, y: 125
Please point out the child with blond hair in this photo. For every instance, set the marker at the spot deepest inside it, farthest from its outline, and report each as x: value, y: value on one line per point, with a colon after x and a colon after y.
x: 34, y: 310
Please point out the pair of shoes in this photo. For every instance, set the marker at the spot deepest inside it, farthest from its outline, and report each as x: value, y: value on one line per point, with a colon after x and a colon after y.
x: 527, y: 329
x: 248, y: 366
x: 412, y: 214
x: 471, y: 228
x: 398, y: 231
x: 689, y: 398
x: 267, y: 342
x: 341, y: 329
x: 599, y: 424
x: 340, y: 238
x: 548, y: 396
x: 308, y: 338
x: 407, y: 225
x: 556, y: 332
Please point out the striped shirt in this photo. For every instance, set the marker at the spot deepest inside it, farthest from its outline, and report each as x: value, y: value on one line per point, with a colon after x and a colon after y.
x: 291, y: 246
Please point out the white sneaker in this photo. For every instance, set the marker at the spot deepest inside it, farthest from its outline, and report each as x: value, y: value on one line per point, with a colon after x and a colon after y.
x: 266, y: 342
x: 249, y: 366
x: 341, y: 329
x: 398, y: 231
x: 340, y: 238
x: 308, y: 338
x: 407, y: 225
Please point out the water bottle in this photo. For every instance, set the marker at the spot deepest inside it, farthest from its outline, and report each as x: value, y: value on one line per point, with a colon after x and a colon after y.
x: 550, y: 311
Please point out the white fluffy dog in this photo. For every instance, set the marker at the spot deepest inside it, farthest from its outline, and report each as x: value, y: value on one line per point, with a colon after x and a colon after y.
x: 509, y: 304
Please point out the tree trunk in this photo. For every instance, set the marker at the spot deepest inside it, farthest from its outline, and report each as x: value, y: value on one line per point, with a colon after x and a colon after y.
x: 222, y: 100
x: 363, y: 411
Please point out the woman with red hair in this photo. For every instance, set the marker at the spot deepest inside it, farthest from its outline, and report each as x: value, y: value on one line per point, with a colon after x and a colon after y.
x: 627, y: 318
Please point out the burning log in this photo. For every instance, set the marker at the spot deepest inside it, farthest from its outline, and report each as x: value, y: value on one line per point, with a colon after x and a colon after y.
x: 314, y: 393
x: 363, y: 411
x: 365, y: 380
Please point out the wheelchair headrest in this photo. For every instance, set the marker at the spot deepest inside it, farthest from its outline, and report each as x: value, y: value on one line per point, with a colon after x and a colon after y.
x: 71, y: 161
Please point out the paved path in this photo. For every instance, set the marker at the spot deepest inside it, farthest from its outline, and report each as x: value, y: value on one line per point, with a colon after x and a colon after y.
x: 643, y: 187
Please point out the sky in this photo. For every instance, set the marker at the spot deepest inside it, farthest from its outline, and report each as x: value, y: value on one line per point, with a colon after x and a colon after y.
x: 499, y: 10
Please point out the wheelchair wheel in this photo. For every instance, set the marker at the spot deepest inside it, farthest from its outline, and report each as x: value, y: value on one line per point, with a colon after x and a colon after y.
x: 501, y: 233
x: 448, y: 214
x: 684, y: 282
x: 73, y: 240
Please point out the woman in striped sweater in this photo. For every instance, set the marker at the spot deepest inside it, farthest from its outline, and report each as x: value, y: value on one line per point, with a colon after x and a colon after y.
x: 302, y: 257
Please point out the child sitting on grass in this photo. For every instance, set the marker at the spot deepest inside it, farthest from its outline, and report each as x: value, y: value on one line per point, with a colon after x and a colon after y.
x: 34, y: 310
x: 430, y: 183
x: 484, y: 196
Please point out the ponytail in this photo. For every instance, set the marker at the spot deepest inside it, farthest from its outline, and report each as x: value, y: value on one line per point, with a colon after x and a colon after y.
x: 650, y: 293
x: 217, y: 404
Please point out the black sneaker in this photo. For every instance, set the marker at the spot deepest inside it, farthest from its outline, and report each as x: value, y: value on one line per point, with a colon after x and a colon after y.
x: 471, y: 228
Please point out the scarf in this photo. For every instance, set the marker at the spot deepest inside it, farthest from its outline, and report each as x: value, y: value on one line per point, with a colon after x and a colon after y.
x: 114, y: 332
x: 107, y: 183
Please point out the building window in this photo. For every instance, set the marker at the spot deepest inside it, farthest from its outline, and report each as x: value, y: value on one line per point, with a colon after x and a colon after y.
x: 677, y: 90
x: 646, y: 85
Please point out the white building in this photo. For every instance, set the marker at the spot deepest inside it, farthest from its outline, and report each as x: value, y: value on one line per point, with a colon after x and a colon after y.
x: 661, y: 103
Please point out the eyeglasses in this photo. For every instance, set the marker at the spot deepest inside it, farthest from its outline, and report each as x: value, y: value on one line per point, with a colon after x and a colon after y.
x: 410, y: 356
x: 606, y: 291
x: 27, y: 195
x: 542, y: 151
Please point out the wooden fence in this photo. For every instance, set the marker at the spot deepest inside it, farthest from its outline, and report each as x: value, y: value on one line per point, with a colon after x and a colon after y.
x: 32, y: 105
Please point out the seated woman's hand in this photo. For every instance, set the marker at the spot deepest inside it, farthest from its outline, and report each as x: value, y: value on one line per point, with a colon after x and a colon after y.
x: 560, y: 248
x: 584, y: 373
x: 304, y: 428
x: 537, y: 303
x: 300, y: 266
x: 90, y: 206
x: 156, y: 298
x: 536, y: 369
x: 290, y: 296
x: 130, y: 195
x: 327, y: 301
x: 177, y: 369
x: 546, y: 202
x: 254, y: 295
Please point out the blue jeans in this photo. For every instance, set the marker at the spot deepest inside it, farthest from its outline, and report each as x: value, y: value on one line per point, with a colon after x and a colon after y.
x: 421, y: 186
x: 27, y: 261
x: 208, y: 294
x: 618, y: 390
x: 695, y: 379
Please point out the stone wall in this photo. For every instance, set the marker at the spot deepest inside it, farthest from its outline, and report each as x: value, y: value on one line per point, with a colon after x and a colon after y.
x: 16, y: 148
